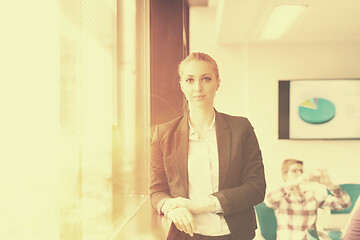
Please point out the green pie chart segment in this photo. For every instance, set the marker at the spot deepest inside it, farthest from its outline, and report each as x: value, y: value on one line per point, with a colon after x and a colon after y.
x: 316, y: 110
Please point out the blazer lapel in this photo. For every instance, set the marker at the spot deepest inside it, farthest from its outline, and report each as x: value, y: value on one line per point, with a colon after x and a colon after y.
x: 223, y: 143
x: 182, y: 144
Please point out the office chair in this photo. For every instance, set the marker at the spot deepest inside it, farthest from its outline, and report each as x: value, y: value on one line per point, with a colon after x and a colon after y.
x: 312, y: 234
x: 267, y: 221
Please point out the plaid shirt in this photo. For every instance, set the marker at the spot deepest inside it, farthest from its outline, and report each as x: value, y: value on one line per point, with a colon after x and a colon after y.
x: 296, y: 214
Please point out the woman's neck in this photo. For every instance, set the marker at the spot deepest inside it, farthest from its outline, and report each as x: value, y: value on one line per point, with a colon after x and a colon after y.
x: 201, y: 118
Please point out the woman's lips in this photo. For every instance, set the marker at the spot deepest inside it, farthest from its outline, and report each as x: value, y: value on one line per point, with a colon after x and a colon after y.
x: 199, y: 96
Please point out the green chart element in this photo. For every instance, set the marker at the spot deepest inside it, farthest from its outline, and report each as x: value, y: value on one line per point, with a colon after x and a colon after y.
x: 316, y: 110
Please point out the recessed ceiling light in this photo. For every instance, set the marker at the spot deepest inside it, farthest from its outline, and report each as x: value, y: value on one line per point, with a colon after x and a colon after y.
x: 281, y: 18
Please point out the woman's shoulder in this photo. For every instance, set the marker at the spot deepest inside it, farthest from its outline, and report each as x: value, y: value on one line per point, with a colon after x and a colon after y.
x: 172, y: 122
x: 170, y: 126
x: 231, y: 119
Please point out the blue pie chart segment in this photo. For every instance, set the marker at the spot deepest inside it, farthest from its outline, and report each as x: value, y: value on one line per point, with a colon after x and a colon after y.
x: 316, y: 110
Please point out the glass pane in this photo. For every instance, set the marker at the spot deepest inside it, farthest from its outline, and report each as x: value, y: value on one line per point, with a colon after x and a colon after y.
x: 74, y: 121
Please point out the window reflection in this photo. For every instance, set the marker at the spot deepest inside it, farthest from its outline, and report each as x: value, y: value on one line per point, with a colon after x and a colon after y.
x: 74, y: 139
x: 87, y: 72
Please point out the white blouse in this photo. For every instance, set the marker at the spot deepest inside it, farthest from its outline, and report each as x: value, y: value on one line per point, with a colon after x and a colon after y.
x: 203, y: 172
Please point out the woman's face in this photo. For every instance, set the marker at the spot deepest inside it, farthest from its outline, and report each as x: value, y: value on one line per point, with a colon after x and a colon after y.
x: 199, y: 83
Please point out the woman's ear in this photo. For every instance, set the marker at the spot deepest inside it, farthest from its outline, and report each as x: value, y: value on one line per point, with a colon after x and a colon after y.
x: 181, y: 86
x: 218, y: 84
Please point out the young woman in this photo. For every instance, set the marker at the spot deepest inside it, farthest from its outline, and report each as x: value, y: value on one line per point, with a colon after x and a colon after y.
x: 206, y: 167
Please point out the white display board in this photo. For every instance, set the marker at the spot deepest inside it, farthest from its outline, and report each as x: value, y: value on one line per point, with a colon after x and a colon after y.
x: 345, y: 96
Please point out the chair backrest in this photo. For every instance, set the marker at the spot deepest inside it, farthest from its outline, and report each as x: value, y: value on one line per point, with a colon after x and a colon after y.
x: 267, y: 221
x: 354, y: 191
x: 334, y: 235
x: 312, y: 234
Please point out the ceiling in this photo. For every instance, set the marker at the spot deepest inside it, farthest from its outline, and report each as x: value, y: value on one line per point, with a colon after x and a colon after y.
x: 240, y: 21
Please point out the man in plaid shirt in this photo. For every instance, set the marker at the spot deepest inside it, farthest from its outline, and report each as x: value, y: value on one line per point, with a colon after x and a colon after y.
x: 296, y: 207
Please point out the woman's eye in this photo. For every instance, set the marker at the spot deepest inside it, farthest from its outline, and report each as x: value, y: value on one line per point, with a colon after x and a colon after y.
x: 189, y: 80
x: 206, y: 79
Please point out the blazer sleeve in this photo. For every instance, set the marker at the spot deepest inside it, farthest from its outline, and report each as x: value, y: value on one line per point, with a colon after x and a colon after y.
x: 251, y: 191
x: 159, y: 188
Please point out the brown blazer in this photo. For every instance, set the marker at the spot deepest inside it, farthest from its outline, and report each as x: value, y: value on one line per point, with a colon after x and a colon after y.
x: 241, y: 171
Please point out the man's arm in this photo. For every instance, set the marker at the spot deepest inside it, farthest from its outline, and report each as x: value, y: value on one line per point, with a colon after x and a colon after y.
x: 273, y: 198
x: 339, y: 199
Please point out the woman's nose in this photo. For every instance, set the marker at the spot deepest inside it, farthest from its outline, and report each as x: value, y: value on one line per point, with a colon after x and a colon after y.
x: 198, y: 85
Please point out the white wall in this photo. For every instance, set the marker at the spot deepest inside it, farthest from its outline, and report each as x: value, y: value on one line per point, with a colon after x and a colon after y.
x: 249, y: 87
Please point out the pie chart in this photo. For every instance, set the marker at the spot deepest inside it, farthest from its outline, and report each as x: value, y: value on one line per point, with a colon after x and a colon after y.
x: 316, y: 110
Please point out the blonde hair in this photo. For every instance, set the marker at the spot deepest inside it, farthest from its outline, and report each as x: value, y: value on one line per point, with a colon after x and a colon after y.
x: 198, y: 56
x: 287, y: 163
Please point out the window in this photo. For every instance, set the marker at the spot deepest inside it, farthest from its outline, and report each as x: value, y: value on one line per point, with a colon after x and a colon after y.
x: 74, y: 96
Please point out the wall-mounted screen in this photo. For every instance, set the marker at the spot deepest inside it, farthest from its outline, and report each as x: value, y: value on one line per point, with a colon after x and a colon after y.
x: 319, y: 109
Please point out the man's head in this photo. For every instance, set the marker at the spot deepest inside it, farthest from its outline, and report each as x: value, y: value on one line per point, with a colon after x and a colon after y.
x: 291, y: 169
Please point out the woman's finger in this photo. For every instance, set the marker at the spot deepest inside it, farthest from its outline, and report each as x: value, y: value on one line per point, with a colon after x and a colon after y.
x: 188, y: 222
x: 183, y: 220
x: 174, y: 218
x: 189, y: 227
x: 177, y: 225
x: 183, y: 227
x: 190, y: 219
